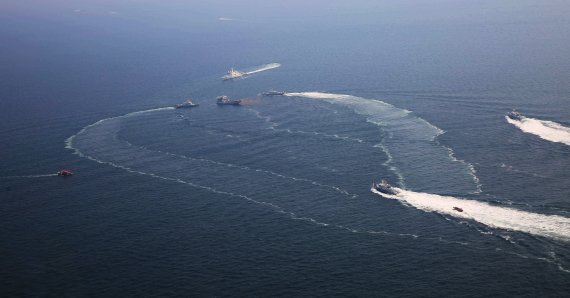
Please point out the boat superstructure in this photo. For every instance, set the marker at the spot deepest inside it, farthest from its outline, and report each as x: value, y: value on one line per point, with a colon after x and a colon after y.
x: 233, y: 74
x: 186, y: 104
x: 273, y: 93
x: 385, y: 188
x: 514, y: 115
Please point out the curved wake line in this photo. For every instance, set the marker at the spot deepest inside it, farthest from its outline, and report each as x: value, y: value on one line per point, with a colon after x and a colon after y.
x: 69, y: 145
x: 69, y: 141
x: 403, y: 129
x: 229, y: 165
x: 276, y: 208
x: 273, y: 126
x: 547, y: 130
x: 207, y: 188
x: 551, y: 226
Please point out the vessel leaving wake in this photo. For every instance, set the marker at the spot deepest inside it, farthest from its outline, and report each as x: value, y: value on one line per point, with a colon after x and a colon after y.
x: 547, y: 130
x: 234, y: 74
x: 552, y: 226
x: 410, y: 143
x: 31, y: 176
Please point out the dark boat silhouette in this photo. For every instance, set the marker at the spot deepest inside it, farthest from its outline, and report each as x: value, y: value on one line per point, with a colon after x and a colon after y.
x: 514, y: 115
x: 385, y: 188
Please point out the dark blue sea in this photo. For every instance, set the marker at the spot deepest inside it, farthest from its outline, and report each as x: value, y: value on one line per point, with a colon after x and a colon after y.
x: 273, y: 197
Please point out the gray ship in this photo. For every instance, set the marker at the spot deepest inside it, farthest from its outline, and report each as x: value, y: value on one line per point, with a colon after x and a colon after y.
x: 186, y: 104
x: 384, y: 187
x: 225, y: 100
x: 273, y: 93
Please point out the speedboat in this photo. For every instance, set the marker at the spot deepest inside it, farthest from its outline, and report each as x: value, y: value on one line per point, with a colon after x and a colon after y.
x: 514, y: 115
x: 273, y: 93
x: 225, y: 100
x: 384, y: 187
x: 186, y: 104
x: 64, y: 173
x: 458, y: 209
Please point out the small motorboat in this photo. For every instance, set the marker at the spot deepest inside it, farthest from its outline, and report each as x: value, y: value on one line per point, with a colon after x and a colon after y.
x: 458, y: 209
x: 385, y: 188
x: 186, y: 104
x: 64, y: 173
x: 514, y: 115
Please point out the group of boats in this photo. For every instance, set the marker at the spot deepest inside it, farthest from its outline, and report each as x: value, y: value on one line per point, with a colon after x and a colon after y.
x: 385, y: 188
x: 225, y: 100
x: 220, y: 100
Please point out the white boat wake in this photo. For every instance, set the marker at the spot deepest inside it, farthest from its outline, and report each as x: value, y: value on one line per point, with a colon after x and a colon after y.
x: 547, y: 130
x: 551, y: 226
x: 98, y: 142
x: 234, y: 74
x: 410, y: 144
x: 263, y: 68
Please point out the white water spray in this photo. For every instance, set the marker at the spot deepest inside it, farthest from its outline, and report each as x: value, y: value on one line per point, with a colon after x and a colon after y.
x: 551, y: 226
x: 547, y: 130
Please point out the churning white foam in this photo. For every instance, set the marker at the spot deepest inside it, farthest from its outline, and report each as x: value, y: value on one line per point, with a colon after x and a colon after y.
x: 552, y: 226
x: 547, y: 130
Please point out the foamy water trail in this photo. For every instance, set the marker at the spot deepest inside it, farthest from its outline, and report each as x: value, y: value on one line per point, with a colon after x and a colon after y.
x: 547, y: 130
x: 30, y: 176
x: 411, y: 145
x: 69, y: 141
x: 551, y: 226
x: 98, y: 142
x: 262, y: 68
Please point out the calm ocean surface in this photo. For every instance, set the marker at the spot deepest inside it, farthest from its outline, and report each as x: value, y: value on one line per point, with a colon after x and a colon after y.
x: 272, y: 198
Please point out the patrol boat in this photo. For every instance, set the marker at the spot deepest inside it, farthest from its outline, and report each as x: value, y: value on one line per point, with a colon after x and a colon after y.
x: 186, y: 104
x: 384, y: 187
x: 514, y: 115
x: 273, y: 93
x: 225, y: 100
x: 233, y: 74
